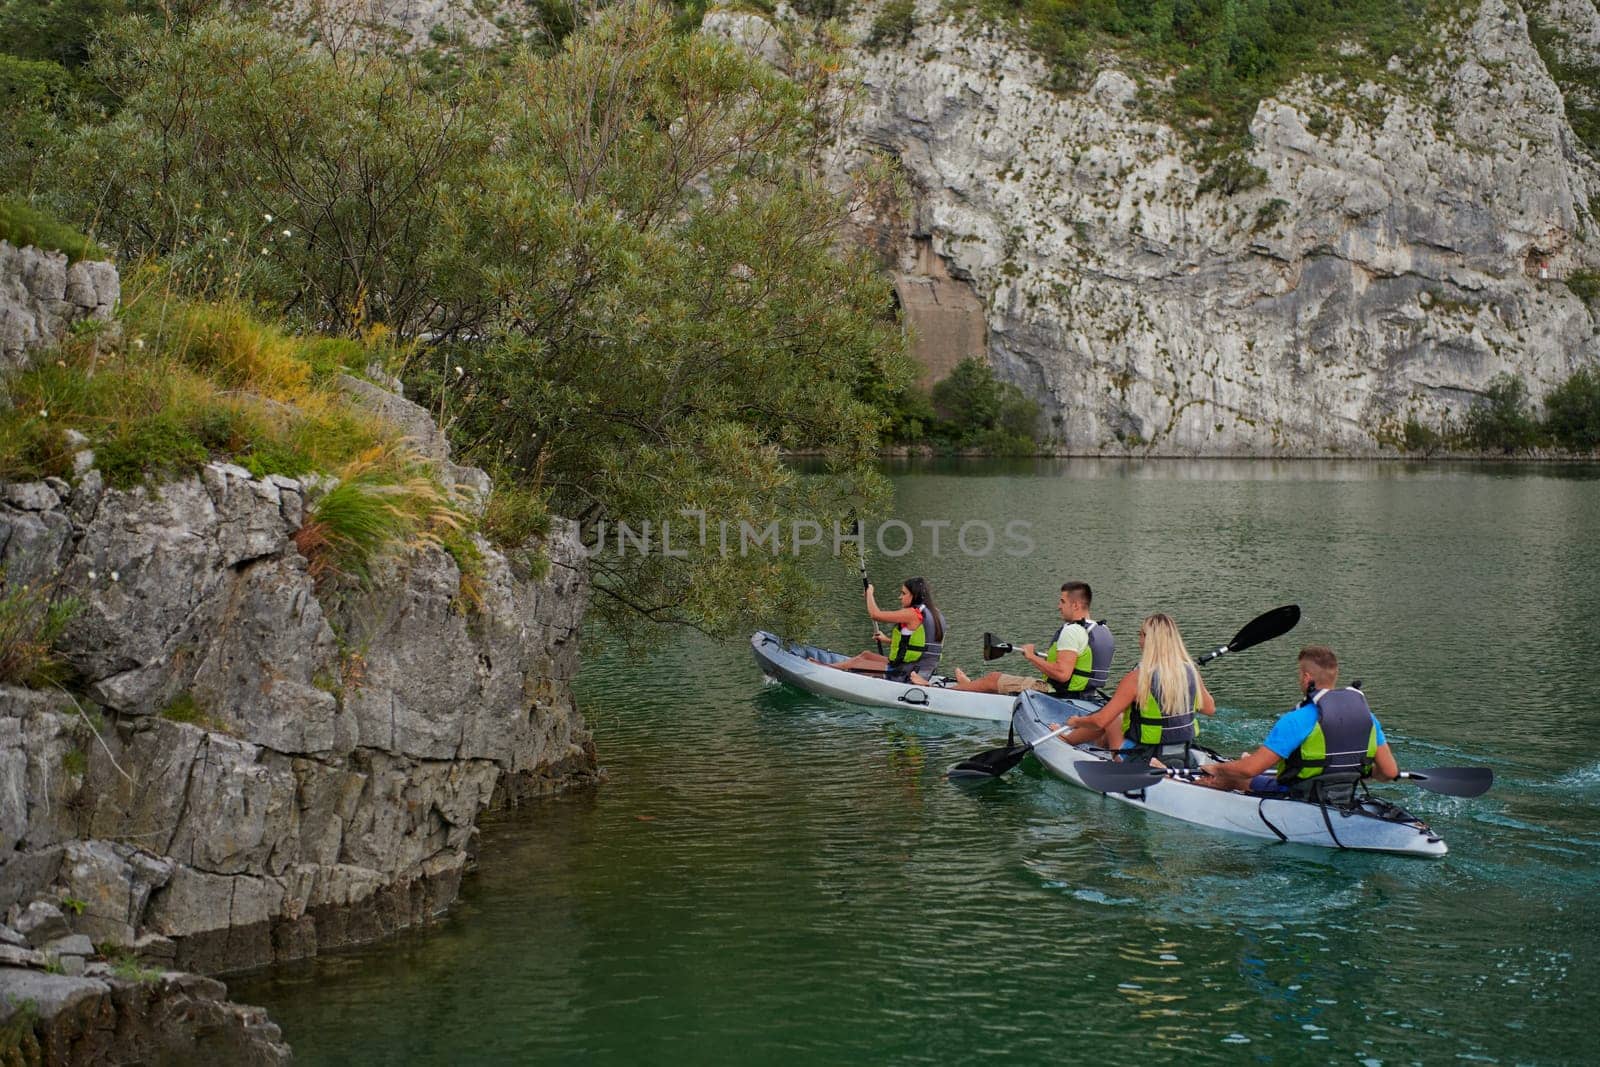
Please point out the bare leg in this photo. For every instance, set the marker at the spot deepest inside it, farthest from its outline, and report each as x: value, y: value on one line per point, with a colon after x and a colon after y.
x: 989, y: 683
x: 961, y: 675
x: 866, y: 661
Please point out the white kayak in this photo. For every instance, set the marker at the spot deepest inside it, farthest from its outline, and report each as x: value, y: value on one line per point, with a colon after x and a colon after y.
x: 1373, y: 826
x: 790, y: 663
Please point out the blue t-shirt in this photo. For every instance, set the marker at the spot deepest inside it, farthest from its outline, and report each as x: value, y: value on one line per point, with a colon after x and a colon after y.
x: 1292, y: 729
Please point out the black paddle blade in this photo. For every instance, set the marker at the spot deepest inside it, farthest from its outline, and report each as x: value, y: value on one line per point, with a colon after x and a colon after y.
x: 1453, y: 781
x: 1265, y: 627
x: 1107, y: 777
x: 990, y: 764
x: 993, y: 649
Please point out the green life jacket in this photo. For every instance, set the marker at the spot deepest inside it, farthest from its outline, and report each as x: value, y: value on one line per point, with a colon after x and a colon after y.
x: 906, y: 649
x: 1086, y: 678
x: 1341, y: 747
x: 1146, y: 723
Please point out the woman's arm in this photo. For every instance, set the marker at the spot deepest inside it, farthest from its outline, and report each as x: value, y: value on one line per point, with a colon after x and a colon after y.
x: 908, y: 617
x: 1121, y: 700
x: 1208, y: 703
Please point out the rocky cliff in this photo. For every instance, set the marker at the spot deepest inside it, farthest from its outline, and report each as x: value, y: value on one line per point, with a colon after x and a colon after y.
x: 246, y: 766
x: 1387, y: 267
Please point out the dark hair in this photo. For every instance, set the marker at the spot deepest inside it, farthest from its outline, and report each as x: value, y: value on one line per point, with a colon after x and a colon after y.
x: 922, y: 594
x: 1078, y: 591
x: 1323, y: 664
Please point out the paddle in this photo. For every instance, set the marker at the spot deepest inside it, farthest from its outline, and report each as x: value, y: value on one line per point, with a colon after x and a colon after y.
x: 861, y: 563
x: 1274, y: 623
x: 1107, y: 777
x: 992, y: 763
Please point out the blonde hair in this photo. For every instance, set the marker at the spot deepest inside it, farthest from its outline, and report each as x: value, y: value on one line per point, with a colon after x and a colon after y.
x: 1164, y: 652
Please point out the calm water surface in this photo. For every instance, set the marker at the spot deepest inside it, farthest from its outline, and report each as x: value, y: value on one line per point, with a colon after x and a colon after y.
x: 774, y: 878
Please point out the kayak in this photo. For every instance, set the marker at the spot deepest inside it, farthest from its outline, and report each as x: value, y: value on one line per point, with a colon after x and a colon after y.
x: 1373, y: 825
x: 790, y: 663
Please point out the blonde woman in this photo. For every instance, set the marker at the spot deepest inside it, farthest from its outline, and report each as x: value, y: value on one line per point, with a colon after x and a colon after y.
x: 1152, y: 713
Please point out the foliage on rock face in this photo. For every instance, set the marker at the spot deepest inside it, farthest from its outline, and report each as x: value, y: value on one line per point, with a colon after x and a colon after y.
x: 892, y: 25
x: 192, y: 381
x: 30, y: 622
x: 633, y: 286
x: 1223, y: 55
x: 1578, y: 79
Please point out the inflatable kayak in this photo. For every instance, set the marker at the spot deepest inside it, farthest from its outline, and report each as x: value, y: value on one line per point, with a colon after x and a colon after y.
x: 1373, y: 825
x: 790, y: 663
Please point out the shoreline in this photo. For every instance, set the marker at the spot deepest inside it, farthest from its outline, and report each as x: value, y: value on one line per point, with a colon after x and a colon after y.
x: 927, y: 453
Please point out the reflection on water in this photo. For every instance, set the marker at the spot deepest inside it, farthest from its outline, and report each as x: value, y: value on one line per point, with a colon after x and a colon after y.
x: 774, y: 878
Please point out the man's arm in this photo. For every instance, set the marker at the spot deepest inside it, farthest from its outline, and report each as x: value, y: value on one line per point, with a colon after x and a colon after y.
x: 1060, y: 670
x: 1385, y: 769
x: 1236, y: 774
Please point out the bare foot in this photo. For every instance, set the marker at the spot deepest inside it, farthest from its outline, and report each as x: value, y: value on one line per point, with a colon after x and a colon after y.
x: 961, y: 675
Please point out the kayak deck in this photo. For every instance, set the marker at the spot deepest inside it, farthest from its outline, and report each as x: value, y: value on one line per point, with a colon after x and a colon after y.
x: 1374, y: 826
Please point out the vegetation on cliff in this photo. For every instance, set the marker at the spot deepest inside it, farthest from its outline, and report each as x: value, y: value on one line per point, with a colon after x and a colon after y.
x: 630, y: 283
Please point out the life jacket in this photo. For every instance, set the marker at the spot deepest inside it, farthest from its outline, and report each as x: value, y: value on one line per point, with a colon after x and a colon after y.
x: 1339, y: 750
x: 907, y: 647
x: 1089, y: 679
x: 1148, y: 725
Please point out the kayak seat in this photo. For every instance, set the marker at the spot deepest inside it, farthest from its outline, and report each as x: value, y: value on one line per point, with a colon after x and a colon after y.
x: 1335, y: 789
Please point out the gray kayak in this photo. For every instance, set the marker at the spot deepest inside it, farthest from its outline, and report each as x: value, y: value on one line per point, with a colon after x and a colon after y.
x: 789, y: 662
x: 1372, y: 826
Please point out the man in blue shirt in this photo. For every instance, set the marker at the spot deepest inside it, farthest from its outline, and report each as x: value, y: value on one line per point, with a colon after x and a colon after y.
x: 1333, y: 732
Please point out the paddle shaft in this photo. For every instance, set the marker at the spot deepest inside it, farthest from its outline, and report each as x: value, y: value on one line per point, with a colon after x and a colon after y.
x: 861, y: 564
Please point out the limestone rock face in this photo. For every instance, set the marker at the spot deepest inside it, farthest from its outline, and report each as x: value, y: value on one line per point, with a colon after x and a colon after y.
x: 1387, y: 266
x: 248, y: 769
x: 41, y: 295
x: 251, y: 763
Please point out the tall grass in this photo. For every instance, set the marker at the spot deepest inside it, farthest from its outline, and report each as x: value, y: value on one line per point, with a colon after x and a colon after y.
x: 190, y: 382
x: 30, y: 622
x: 386, y: 501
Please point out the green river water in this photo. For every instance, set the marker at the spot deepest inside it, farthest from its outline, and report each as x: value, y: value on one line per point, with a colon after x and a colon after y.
x: 769, y: 877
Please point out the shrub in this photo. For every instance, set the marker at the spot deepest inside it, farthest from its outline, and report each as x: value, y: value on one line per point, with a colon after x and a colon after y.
x: 30, y: 623
x: 1501, y: 419
x: 1572, y: 411
x: 1420, y: 438
x: 893, y: 25
x: 24, y: 225
x: 1585, y: 285
x: 515, y: 514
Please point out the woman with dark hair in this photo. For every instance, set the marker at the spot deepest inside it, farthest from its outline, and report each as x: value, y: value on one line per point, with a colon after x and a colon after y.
x: 915, y: 641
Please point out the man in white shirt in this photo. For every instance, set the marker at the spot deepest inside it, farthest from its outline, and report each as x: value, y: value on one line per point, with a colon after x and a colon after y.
x: 1076, y: 664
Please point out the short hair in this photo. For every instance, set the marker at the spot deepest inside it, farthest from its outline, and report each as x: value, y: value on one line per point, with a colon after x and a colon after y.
x: 1078, y: 591
x: 1320, y: 663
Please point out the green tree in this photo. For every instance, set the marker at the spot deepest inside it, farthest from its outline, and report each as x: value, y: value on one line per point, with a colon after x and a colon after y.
x: 1572, y: 411
x: 980, y: 411
x: 672, y: 311
x: 1501, y: 419
x: 310, y: 181
x: 632, y: 281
